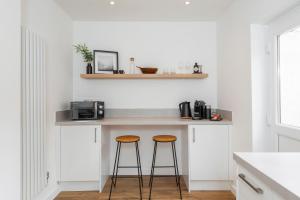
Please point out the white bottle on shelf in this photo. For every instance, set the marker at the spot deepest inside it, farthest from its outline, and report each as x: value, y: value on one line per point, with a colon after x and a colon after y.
x: 132, y: 66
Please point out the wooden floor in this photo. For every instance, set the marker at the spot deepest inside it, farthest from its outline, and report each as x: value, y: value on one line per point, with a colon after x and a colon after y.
x: 163, y: 188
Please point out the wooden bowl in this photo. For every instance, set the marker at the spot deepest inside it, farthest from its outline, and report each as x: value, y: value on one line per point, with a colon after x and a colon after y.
x: 148, y: 70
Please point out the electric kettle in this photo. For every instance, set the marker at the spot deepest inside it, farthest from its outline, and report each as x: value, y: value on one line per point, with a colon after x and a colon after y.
x: 185, y: 110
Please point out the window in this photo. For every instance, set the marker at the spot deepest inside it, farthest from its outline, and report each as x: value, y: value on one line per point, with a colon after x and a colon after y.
x: 289, y: 82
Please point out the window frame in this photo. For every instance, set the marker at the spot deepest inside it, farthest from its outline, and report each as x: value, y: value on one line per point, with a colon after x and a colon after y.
x: 277, y: 27
x: 278, y: 83
x: 279, y: 128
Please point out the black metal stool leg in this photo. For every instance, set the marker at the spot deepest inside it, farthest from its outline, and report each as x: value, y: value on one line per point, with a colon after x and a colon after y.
x: 175, y: 169
x: 138, y: 167
x: 139, y: 164
x: 113, y: 176
x: 173, y: 143
x: 152, y: 169
x: 152, y: 165
x: 117, y: 169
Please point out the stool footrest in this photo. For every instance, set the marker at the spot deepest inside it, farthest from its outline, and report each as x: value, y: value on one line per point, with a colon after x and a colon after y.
x: 128, y: 166
x: 127, y: 177
x: 164, y: 166
x: 171, y: 176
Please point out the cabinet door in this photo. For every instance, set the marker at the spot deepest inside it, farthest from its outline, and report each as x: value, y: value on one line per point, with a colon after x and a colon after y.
x: 80, y: 153
x: 209, y: 152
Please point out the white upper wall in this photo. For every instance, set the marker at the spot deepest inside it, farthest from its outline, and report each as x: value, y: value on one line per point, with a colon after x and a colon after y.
x: 10, y: 101
x: 48, y: 20
x: 144, y: 10
x: 162, y: 44
x: 234, y: 61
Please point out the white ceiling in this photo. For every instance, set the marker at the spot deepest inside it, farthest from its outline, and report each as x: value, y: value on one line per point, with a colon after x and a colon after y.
x: 144, y: 10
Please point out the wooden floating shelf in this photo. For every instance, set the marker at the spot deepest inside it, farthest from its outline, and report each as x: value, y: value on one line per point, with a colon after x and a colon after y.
x: 144, y: 76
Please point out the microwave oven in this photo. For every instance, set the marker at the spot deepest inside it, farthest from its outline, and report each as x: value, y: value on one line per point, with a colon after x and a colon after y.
x: 87, y: 110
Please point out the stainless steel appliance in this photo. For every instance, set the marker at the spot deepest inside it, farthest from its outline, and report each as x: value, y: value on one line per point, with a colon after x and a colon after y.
x: 87, y: 110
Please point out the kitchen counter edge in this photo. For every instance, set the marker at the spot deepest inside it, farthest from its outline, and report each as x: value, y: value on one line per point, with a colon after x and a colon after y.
x: 172, y: 121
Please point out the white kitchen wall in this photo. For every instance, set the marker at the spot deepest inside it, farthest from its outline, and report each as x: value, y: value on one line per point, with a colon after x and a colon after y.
x: 234, y: 62
x: 47, y: 19
x: 10, y: 79
x: 161, y: 44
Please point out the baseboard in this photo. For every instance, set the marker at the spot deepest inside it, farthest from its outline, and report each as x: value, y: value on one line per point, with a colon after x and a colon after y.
x: 186, y: 181
x: 79, y: 186
x: 49, y: 193
x: 233, y: 189
x: 210, y: 185
x: 103, y: 181
x: 54, y: 194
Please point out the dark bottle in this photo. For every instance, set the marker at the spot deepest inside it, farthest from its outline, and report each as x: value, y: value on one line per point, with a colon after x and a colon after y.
x: 204, y: 112
x: 208, y: 112
x: 89, y: 68
x: 196, y: 68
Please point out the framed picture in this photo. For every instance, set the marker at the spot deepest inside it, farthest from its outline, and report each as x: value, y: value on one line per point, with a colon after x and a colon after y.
x: 105, y: 61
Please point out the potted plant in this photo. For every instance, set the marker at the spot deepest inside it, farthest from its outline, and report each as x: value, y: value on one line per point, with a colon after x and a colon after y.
x: 87, y: 56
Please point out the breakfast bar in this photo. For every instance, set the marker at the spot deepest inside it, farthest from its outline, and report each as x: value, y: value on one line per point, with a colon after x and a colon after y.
x: 87, y: 148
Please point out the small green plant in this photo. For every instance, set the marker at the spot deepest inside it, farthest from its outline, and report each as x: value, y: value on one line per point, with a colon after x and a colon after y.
x: 86, y: 53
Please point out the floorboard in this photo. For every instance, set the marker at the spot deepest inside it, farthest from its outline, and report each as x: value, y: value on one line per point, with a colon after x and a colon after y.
x: 163, y: 189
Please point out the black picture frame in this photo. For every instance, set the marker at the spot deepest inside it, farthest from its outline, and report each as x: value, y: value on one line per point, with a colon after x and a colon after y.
x: 112, y: 63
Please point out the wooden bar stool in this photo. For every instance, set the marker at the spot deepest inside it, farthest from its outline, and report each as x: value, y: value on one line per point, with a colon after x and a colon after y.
x: 127, y: 139
x: 165, y: 139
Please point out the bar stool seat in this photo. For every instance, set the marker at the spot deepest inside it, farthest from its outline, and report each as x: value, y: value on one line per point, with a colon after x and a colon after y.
x: 128, y: 138
x: 164, y: 138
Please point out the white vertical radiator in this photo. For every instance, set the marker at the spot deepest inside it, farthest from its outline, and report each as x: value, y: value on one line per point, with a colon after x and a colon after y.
x: 34, y: 173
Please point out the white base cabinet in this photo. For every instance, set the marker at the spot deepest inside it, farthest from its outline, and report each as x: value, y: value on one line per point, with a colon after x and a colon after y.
x: 209, y: 152
x: 209, y: 157
x: 80, y: 153
x: 84, y: 157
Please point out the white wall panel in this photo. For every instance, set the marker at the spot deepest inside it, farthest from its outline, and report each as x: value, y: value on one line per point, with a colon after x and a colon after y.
x: 33, y: 115
x: 48, y: 20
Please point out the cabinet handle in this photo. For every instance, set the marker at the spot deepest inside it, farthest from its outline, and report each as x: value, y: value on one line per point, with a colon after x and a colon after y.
x: 194, y: 136
x: 256, y: 189
x: 95, y: 135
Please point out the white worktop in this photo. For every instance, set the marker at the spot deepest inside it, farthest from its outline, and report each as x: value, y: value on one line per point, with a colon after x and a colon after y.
x: 143, y: 121
x: 280, y: 170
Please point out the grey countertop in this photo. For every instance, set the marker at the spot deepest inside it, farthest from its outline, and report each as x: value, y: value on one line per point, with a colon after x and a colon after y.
x: 142, y: 121
x: 115, y: 117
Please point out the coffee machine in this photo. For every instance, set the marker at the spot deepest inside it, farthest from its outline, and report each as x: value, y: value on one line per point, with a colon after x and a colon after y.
x: 201, y: 110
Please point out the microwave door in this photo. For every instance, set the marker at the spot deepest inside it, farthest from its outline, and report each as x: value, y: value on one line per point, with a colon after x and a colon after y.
x: 85, y: 114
